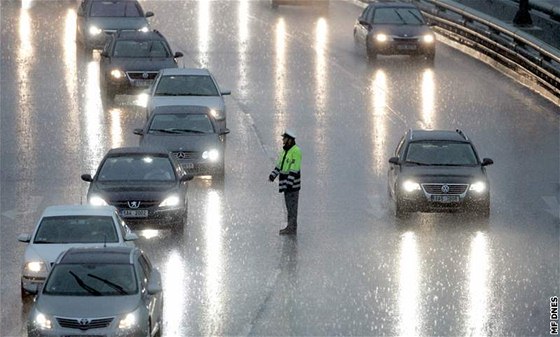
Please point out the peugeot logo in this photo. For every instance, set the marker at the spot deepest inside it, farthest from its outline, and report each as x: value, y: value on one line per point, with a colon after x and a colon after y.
x: 134, y: 204
x: 445, y: 188
x: 144, y: 75
x: 84, y: 321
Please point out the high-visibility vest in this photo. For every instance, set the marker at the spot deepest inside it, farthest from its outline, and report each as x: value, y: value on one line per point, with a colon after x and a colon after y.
x: 288, y: 167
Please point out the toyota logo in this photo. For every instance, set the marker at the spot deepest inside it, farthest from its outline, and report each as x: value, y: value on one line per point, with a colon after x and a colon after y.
x: 445, y: 188
x: 84, y: 321
x: 134, y: 204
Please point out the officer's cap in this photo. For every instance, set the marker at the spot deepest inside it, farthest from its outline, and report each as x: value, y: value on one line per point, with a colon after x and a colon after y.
x: 289, y: 133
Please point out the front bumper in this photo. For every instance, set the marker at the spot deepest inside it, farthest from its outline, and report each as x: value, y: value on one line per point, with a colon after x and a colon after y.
x: 424, y: 201
x: 402, y: 47
x: 164, y: 217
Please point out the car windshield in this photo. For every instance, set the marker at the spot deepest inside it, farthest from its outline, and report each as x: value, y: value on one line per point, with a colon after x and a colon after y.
x: 181, y: 123
x: 114, y: 9
x: 186, y: 85
x: 441, y: 153
x: 143, y: 49
x: 398, y: 16
x: 91, y: 280
x: 136, y: 168
x: 76, y: 229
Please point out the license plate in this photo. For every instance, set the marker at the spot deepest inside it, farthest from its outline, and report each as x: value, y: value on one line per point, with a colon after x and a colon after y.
x: 134, y: 213
x: 142, y: 83
x: 188, y: 166
x: 406, y: 47
x: 445, y: 198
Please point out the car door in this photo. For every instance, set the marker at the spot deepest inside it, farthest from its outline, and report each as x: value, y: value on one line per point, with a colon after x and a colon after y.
x: 362, y: 26
x: 394, y: 169
x: 81, y: 28
x: 152, y: 302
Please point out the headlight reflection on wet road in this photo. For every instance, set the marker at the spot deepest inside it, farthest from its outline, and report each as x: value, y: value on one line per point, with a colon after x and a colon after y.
x: 409, y: 287
x: 478, y: 285
x: 378, y: 91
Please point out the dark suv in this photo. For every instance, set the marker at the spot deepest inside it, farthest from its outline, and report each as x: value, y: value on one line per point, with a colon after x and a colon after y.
x: 131, y: 60
x: 438, y: 170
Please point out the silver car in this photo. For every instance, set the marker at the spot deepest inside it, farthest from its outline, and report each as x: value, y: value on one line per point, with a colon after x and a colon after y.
x: 112, y: 291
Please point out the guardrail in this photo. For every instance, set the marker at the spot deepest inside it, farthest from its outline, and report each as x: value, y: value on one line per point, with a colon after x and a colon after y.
x: 535, y: 61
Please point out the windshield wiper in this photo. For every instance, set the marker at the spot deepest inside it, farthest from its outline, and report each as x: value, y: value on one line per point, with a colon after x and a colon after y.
x: 166, y: 130
x: 416, y: 163
x: 82, y: 284
x: 166, y: 94
x: 420, y: 21
x: 188, y: 130
x: 400, y: 17
x: 110, y: 284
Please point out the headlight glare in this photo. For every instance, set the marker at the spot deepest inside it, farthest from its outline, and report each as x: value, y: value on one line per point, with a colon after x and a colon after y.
x: 411, y: 186
x: 128, y: 321
x: 212, y: 155
x: 117, y: 74
x: 93, y: 30
x: 170, y: 201
x: 43, y: 322
x: 381, y: 37
x: 97, y: 201
x: 428, y: 38
x: 478, y: 187
x: 144, y: 29
x: 218, y: 114
x: 35, y: 267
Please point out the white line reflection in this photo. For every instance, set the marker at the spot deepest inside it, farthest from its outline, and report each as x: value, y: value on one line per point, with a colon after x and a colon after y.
x: 428, y: 99
x: 321, y: 38
x: 93, y: 116
x: 116, y: 128
x: 71, y: 72
x: 379, y: 103
x: 203, y: 31
x: 409, y: 287
x: 174, y: 296
x: 243, y: 39
x: 479, y: 289
x: 280, y: 75
x: 214, y: 265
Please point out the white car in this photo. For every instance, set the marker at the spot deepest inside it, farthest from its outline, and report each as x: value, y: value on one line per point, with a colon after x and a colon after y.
x: 65, y: 226
x: 188, y: 86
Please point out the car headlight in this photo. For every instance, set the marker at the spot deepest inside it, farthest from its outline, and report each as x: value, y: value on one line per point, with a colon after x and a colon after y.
x: 128, y: 321
x: 35, y: 268
x: 212, y: 155
x: 428, y: 38
x: 42, y: 321
x: 478, y: 187
x: 381, y: 37
x: 93, y: 30
x: 410, y: 186
x: 97, y: 201
x: 170, y: 201
x: 144, y: 29
x: 218, y: 114
x: 117, y: 74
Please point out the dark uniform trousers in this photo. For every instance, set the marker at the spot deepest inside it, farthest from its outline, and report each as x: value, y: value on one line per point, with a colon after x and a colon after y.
x: 291, y: 199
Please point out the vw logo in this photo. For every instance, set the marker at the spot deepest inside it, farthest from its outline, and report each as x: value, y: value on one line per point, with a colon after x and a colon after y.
x: 84, y: 321
x: 144, y: 75
x: 134, y: 204
x: 445, y: 188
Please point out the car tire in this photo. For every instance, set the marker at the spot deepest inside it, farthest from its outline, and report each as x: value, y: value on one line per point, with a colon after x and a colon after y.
x: 400, y: 211
x: 430, y: 58
x: 484, y: 210
x: 371, y: 54
x: 24, y: 294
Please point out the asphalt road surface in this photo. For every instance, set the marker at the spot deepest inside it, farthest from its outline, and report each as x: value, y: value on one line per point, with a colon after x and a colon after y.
x: 353, y: 269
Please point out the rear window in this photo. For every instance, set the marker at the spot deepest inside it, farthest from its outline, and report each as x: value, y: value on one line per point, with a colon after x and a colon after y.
x: 114, y: 9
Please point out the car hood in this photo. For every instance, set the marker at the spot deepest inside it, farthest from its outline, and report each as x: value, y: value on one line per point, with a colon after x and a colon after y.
x: 129, y: 191
x: 183, y: 142
x: 49, y: 252
x: 142, y: 64
x: 213, y: 102
x: 443, y: 174
x: 116, y: 23
x: 403, y: 30
x: 86, y: 306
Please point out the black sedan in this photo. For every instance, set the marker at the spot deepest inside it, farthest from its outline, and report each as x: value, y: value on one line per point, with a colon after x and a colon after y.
x: 192, y: 134
x: 438, y: 170
x: 145, y: 185
x: 131, y: 60
x: 394, y: 28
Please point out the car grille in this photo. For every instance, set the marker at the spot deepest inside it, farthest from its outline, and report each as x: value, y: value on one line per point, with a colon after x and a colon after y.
x: 182, y: 155
x: 84, y: 323
x: 143, y: 203
x: 438, y: 188
x: 139, y: 75
x: 405, y: 39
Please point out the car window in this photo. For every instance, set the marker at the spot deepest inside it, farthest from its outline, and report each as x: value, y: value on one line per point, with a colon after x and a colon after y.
x: 199, y: 123
x: 92, y: 280
x: 114, y: 9
x: 186, y: 85
x: 398, y: 16
x: 76, y: 229
x: 441, y: 153
x: 145, y: 270
x: 144, y: 49
x: 136, y: 168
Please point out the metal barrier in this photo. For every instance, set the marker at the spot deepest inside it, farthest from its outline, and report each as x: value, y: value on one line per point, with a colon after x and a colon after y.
x: 536, y: 61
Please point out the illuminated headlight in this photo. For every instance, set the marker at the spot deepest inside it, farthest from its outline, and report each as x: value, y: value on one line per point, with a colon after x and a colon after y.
x: 428, y: 38
x: 144, y: 29
x: 97, y: 201
x: 218, y: 114
x: 42, y: 321
x: 410, y: 186
x: 95, y: 31
x: 128, y: 322
x: 212, y: 155
x: 170, y: 201
x: 35, y: 267
x: 478, y: 187
x: 381, y: 37
x: 117, y: 74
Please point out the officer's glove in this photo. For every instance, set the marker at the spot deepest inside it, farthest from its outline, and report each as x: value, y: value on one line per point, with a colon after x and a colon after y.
x: 271, y: 177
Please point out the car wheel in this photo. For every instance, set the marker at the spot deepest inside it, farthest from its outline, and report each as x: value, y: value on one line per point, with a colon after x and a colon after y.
x: 430, y: 58
x: 400, y: 210
x: 24, y: 294
x: 484, y: 210
x: 371, y: 54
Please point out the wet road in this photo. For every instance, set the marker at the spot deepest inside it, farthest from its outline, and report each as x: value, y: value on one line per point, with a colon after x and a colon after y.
x: 353, y: 269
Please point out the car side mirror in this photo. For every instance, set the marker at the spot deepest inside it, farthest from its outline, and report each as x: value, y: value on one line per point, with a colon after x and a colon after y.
x: 139, y: 132
x: 24, y: 237
x: 154, y: 284
x: 364, y: 23
x: 487, y: 161
x: 178, y: 54
x: 130, y: 237
x: 87, y: 177
x: 226, y: 92
x: 224, y: 131
x: 187, y: 177
x: 149, y: 14
x: 104, y: 54
x: 394, y: 160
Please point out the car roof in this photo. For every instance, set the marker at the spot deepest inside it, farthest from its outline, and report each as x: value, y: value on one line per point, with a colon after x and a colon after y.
x: 185, y: 71
x: 72, y: 210
x: 153, y: 151
x: 451, y: 135
x: 186, y: 109
x: 112, y: 255
x: 139, y: 35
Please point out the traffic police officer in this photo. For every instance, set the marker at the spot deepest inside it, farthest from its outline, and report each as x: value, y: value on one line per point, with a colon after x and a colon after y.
x: 288, y: 167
